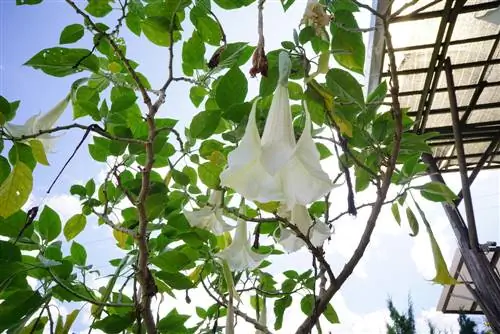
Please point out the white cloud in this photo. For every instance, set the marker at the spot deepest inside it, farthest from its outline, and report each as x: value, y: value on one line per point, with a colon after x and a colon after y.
x: 443, y: 322
x: 65, y: 205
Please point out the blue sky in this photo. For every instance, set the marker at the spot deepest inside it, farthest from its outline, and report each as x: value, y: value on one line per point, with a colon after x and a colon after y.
x: 394, y: 265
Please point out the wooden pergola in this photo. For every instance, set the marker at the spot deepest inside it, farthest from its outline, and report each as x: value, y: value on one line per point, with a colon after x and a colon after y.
x: 448, y: 58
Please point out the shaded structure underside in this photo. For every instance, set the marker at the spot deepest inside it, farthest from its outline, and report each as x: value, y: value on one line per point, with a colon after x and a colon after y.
x: 461, y: 36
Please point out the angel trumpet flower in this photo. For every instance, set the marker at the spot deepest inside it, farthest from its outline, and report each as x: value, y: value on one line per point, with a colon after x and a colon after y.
x: 210, y: 217
x: 239, y: 254
x: 37, y: 123
x: 317, y: 233
x: 275, y: 167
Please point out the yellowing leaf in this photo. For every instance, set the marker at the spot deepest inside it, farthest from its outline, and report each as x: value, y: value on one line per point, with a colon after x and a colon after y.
x: 15, y: 189
x: 74, y: 226
x: 344, y: 125
x: 39, y: 152
x: 327, y: 97
x: 269, y: 206
x: 121, y: 238
x: 114, y: 67
x: 442, y: 274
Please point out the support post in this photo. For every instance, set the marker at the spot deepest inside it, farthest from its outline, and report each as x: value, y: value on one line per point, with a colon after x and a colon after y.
x: 485, y: 282
x: 459, y: 146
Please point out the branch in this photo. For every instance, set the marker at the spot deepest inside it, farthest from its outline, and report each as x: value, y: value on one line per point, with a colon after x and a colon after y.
x: 92, y: 127
x: 118, y: 51
x: 114, y: 226
x: 370, y: 9
x: 237, y: 311
x: 359, y: 207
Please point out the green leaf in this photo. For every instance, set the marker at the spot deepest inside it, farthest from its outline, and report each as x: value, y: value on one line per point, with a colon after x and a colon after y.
x: 17, y: 306
x: 437, y: 192
x: 175, y: 280
x: 347, y: 43
x: 22, y: 153
x: 291, y: 274
x: 286, y: 4
x: 231, y: 4
x: 376, y: 97
x: 98, y: 8
x: 197, y: 95
x: 209, y: 146
x: 115, y: 323
x: 157, y: 30
x: 15, y: 189
x: 28, y: 2
x: 4, y: 169
x: 173, y: 322
x: 395, y: 213
x: 71, y: 34
x: 412, y: 221
x: 307, y: 304
x: 180, y: 177
x: 232, y: 88
x: 209, y: 174
x: 442, y: 274
x: 49, y: 224
x: 193, y: 54
x: 171, y: 261
x: 205, y: 123
x: 70, y: 319
x: 331, y: 315
x: 74, y: 226
x: 78, y: 253
x: 324, y: 152
x: 280, y: 305
x: 12, y: 226
x: 60, y: 62
x: 90, y: 187
x: 79, y: 190
x: 345, y: 86
x: 6, y: 111
x: 38, y: 151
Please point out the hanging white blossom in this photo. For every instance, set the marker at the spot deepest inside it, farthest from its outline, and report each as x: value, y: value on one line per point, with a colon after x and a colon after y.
x: 210, y: 216
x: 40, y: 122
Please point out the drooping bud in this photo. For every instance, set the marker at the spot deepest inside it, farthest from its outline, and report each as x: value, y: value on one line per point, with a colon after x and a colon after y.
x: 214, y: 60
x: 259, y: 62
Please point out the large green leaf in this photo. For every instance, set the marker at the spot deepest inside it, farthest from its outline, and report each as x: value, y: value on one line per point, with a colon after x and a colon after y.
x: 12, y: 226
x: 412, y: 221
x: 193, y: 54
x: 280, y: 305
x: 74, y: 226
x: 173, y: 322
x: 442, y: 274
x: 307, y: 304
x: 345, y: 86
x: 209, y: 174
x: 157, y: 30
x: 437, y: 192
x: 232, y: 88
x: 204, y: 124
x: 17, y: 306
x: 38, y: 152
x: 331, y: 315
x: 175, y: 280
x: 60, y: 62
x: 49, y: 224
x: 115, y: 323
x: 71, y: 33
x: 15, y: 189
x: 347, y: 42
x: 78, y: 253
x: 232, y: 4
x: 171, y: 261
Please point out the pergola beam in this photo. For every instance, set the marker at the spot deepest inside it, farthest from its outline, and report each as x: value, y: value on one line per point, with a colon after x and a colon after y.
x: 459, y: 147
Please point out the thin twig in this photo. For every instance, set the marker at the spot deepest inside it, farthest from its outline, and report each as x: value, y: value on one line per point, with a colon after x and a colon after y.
x: 117, y: 50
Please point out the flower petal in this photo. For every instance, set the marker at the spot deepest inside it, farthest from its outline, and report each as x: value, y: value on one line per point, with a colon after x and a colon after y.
x: 47, y: 120
x: 238, y: 254
x: 208, y: 219
x: 304, y: 180
x: 289, y: 241
x: 278, y: 139
x: 244, y: 172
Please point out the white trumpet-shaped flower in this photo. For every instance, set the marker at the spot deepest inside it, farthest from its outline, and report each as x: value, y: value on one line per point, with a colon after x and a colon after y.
x: 239, y: 254
x: 275, y: 167
x: 317, y: 232
x: 38, y: 123
x: 210, y: 217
